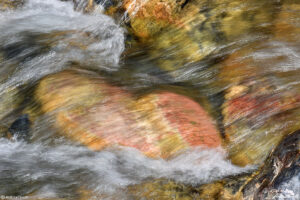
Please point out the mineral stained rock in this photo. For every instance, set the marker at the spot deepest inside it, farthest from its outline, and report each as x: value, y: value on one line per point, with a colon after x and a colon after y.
x: 259, y: 107
x: 97, y: 114
x: 255, y: 120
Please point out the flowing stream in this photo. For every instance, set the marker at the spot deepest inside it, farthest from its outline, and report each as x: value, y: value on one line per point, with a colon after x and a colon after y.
x: 47, y: 36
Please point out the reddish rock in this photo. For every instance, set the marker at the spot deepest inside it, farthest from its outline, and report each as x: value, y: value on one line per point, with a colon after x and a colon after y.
x: 261, y: 106
x: 254, y: 107
x: 160, y: 124
x: 187, y: 116
x: 256, y: 118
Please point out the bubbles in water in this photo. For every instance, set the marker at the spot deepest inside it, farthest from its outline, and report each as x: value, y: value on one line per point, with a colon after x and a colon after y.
x: 104, y: 172
x: 43, y: 36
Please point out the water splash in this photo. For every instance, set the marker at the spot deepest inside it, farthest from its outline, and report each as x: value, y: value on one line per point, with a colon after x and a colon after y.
x: 108, y: 171
x: 43, y: 36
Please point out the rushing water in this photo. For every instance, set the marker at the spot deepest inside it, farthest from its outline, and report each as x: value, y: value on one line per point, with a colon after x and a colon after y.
x: 44, y: 37
x: 30, y: 167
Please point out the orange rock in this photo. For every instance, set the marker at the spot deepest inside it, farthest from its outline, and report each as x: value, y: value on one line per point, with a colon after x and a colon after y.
x: 254, y: 107
x: 187, y: 116
x: 148, y: 18
x: 157, y: 9
x: 160, y: 124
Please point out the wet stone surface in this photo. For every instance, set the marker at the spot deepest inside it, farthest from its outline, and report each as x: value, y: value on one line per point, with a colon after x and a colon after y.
x: 149, y: 99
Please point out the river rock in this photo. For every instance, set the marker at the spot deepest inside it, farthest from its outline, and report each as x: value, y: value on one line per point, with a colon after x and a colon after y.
x: 180, y: 33
x: 259, y: 106
x: 149, y: 17
x: 98, y: 115
x: 10, y: 4
x: 255, y: 118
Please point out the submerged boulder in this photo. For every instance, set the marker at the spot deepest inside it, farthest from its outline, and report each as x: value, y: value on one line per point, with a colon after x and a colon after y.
x: 260, y: 105
x: 256, y: 118
x: 98, y: 114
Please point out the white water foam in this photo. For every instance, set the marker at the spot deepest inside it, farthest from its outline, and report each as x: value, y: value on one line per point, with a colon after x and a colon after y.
x: 103, y: 172
x: 290, y: 189
x: 39, y: 17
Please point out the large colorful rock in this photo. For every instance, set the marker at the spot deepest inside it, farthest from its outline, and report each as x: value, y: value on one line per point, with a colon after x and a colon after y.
x: 97, y: 114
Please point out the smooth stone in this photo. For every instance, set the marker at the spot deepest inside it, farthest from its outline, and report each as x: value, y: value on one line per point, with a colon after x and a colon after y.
x: 98, y: 115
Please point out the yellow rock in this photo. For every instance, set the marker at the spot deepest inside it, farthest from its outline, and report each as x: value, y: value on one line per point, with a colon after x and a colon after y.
x: 235, y: 91
x: 10, y: 4
x: 185, y: 32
